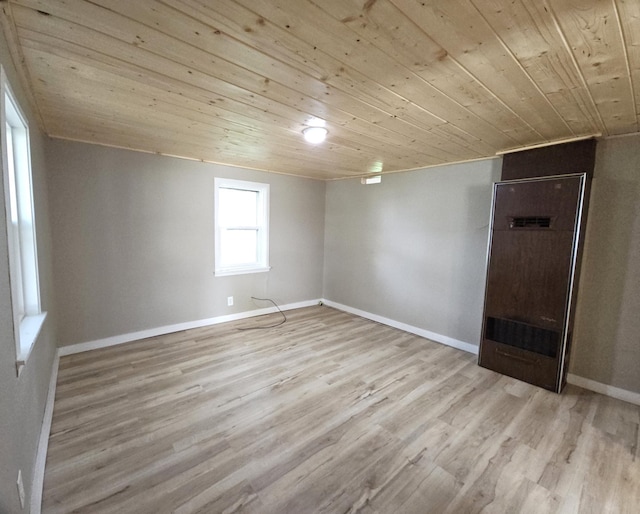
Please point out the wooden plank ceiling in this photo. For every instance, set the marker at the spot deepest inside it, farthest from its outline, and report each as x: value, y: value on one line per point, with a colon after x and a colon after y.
x: 400, y: 84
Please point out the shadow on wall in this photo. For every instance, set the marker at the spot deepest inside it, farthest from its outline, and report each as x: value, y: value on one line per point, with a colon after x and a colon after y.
x: 471, y: 257
x: 609, y: 295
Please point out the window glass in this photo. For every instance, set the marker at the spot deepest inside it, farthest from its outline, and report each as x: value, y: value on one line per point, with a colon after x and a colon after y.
x: 239, y: 247
x: 238, y: 207
x: 23, y: 258
x: 242, y: 227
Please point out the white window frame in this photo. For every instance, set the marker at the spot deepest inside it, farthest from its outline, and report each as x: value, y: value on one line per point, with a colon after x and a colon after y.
x: 262, y: 227
x: 28, y: 317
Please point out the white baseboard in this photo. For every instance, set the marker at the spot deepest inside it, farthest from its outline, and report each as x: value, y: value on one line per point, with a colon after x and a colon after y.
x: 438, y: 338
x: 168, y: 329
x: 607, y: 390
x: 38, y: 478
x: 43, y: 444
x: 585, y: 383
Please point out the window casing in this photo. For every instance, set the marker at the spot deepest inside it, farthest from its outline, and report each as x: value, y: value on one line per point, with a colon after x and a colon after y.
x: 21, y: 231
x: 242, y: 227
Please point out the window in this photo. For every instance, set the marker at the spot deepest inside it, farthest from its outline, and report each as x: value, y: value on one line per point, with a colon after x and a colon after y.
x: 21, y: 233
x: 242, y: 227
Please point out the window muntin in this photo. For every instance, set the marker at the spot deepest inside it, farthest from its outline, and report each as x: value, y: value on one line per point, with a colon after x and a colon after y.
x: 242, y: 227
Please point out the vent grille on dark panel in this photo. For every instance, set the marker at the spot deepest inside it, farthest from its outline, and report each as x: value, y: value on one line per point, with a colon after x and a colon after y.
x: 522, y: 335
x: 530, y: 222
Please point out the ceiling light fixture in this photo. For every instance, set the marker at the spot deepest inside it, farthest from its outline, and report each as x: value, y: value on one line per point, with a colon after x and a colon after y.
x: 315, y: 135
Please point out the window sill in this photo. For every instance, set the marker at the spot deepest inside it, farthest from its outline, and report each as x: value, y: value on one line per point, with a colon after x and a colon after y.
x: 240, y: 271
x: 30, y: 328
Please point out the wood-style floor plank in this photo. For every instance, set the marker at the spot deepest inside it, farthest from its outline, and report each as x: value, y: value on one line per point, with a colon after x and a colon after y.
x: 328, y: 413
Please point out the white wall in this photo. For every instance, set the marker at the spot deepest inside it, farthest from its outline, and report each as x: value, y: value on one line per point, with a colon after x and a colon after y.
x: 413, y: 248
x: 134, y: 241
x: 22, y: 399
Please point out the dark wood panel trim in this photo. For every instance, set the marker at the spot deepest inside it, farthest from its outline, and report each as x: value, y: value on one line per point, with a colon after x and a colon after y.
x: 576, y: 157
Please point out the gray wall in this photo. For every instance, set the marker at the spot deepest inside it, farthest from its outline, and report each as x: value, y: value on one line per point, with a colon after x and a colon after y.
x: 134, y: 241
x: 22, y: 400
x: 134, y: 250
x: 607, y: 331
x: 413, y: 248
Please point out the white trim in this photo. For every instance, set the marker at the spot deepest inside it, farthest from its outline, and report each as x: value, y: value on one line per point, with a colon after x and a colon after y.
x: 168, y: 329
x: 239, y: 271
x: 22, y: 238
x: 37, y: 484
x: 261, y: 227
x: 591, y: 385
x: 618, y: 136
x: 30, y: 328
x: 41, y: 456
x: 607, y: 390
x: 549, y: 143
x: 438, y: 338
x: 428, y: 167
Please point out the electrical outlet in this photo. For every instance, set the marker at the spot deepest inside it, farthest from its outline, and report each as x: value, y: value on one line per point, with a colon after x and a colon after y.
x: 20, y: 489
x: 229, y: 301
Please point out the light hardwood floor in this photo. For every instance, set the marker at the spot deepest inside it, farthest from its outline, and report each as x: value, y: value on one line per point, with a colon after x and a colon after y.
x: 328, y: 413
